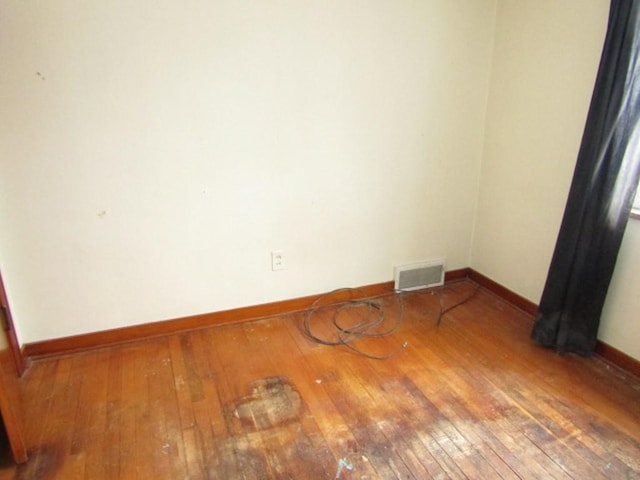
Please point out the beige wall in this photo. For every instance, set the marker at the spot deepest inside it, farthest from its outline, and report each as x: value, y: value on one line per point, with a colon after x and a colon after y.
x: 620, y: 324
x: 153, y: 156
x: 544, y: 66
x: 545, y: 62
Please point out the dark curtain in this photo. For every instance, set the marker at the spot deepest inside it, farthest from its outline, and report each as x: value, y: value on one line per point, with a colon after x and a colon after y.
x: 602, y: 190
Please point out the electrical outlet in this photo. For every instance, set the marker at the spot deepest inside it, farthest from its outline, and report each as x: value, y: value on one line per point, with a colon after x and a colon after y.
x: 277, y: 260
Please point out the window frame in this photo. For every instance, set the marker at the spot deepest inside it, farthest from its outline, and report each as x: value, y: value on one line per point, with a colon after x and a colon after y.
x: 635, y: 208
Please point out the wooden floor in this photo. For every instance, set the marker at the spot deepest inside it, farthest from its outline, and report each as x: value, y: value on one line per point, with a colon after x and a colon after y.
x: 473, y: 398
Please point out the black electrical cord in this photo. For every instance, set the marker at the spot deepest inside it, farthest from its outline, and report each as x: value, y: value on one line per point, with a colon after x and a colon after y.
x: 367, y: 327
x: 373, y: 318
x: 443, y: 311
x: 438, y: 293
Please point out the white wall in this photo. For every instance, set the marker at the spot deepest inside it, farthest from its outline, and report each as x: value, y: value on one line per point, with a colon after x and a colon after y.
x: 620, y: 322
x: 545, y: 62
x: 152, y: 155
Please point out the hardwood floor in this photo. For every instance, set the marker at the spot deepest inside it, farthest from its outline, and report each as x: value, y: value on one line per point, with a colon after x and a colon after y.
x: 473, y: 398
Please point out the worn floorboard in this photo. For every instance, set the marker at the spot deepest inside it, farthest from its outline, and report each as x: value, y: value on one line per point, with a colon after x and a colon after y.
x: 469, y: 398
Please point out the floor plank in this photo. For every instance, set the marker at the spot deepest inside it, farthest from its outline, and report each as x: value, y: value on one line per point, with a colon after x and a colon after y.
x: 462, y: 396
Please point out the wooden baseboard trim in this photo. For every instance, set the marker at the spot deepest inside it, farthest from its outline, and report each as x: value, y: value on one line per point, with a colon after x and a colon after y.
x: 87, y: 341
x: 513, y: 298
x: 618, y: 358
x: 457, y: 275
x: 76, y: 343
x: 603, y: 350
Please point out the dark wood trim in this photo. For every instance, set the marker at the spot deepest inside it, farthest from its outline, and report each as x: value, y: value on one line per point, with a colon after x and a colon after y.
x: 12, y: 365
x: 75, y: 343
x: 635, y: 215
x: 618, y: 358
x: 60, y: 346
x: 456, y: 275
x: 603, y: 350
x: 19, y: 359
x: 11, y: 407
x: 513, y: 298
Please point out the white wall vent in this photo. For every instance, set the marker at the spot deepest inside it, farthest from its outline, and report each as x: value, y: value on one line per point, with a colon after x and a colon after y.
x: 419, y: 275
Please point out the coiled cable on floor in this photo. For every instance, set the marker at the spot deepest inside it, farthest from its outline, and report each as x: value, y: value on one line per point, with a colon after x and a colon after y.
x: 372, y: 319
x: 367, y: 327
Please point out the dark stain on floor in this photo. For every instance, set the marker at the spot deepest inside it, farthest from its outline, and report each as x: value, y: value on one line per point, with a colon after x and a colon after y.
x: 273, y: 401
